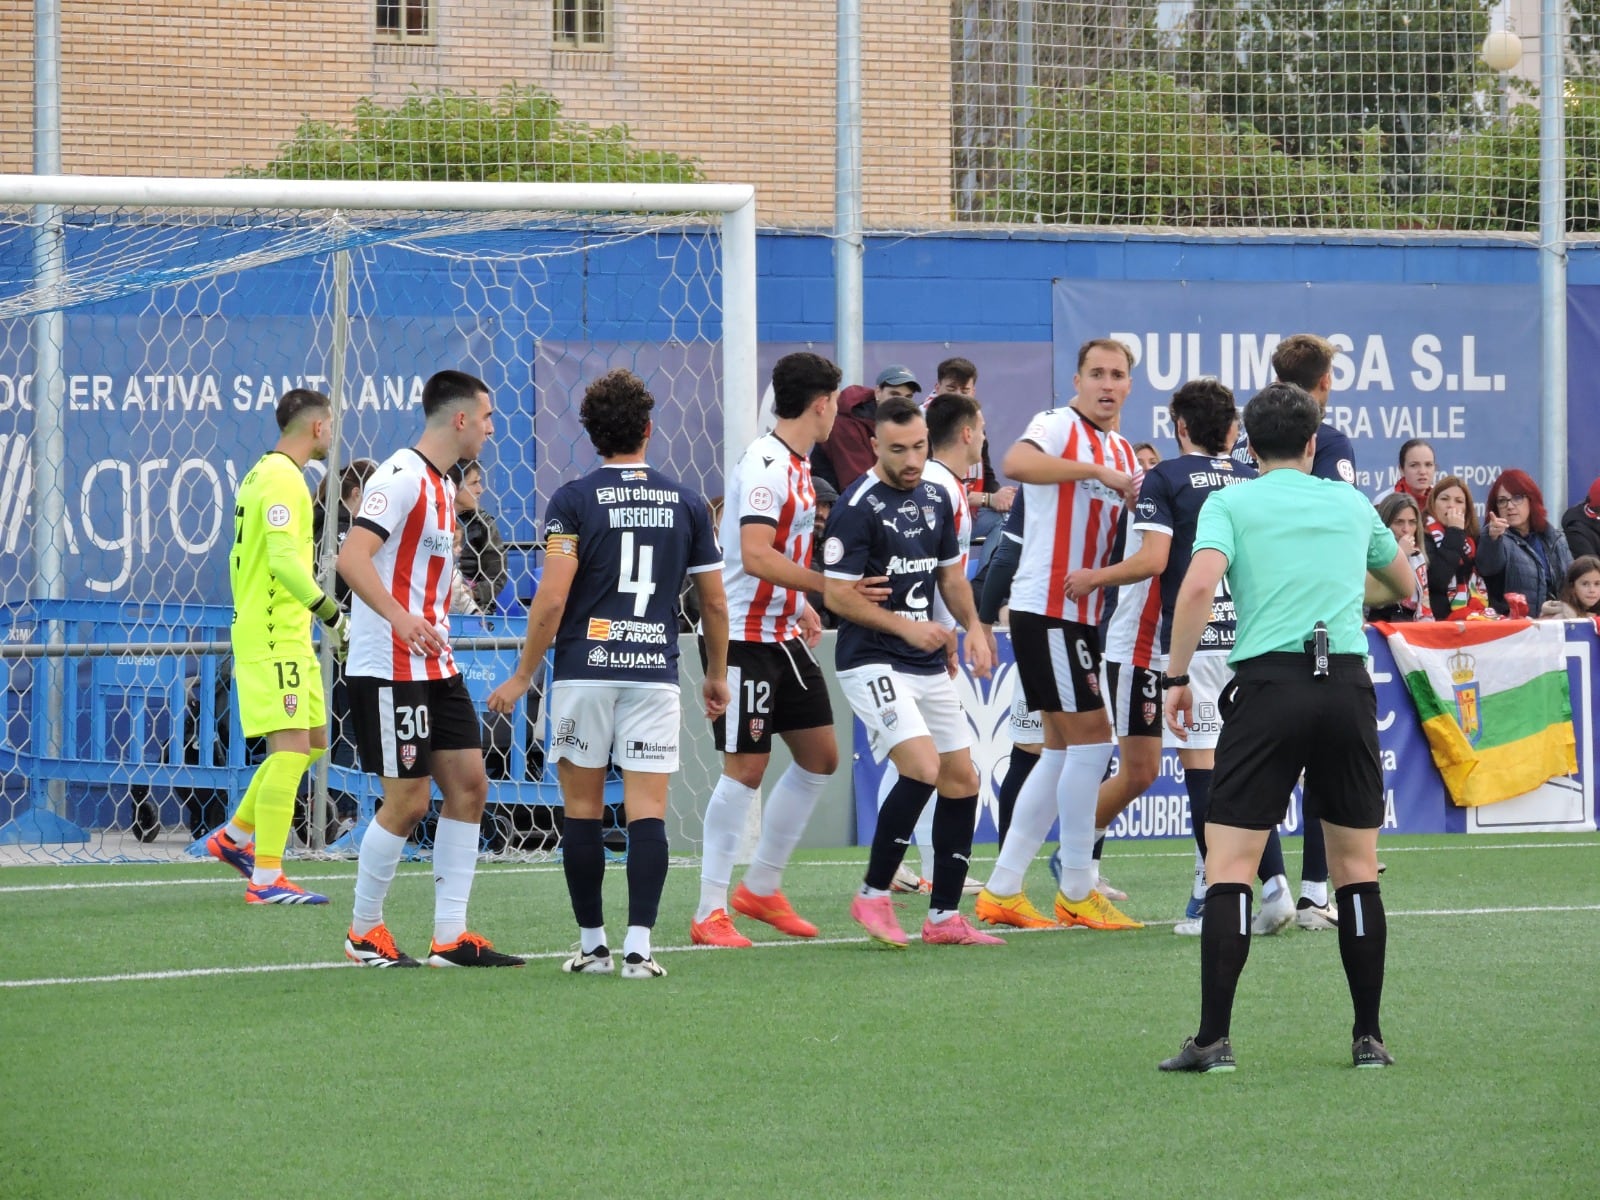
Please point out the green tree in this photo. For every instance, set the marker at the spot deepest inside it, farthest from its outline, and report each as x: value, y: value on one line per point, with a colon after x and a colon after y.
x: 1314, y: 76
x: 1139, y: 149
x: 519, y: 136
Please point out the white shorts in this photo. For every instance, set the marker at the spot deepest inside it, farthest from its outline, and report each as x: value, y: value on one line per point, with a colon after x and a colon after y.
x: 1027, y: 724
x: 1208, y: 675
x: 896, y: 707
x: 635, y: 727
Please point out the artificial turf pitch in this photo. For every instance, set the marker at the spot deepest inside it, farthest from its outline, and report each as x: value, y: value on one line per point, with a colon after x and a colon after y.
x: 159, y: 1038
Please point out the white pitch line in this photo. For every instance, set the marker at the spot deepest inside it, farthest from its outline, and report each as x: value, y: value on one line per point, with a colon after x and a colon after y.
x: 277, y: 968
x: 691, y: 864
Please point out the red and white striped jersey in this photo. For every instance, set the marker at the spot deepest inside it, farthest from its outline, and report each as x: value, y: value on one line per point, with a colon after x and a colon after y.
x: 1133, y: 635
x: 943, y: 478
x: 412, y: 507
x: 771, y: 485
x: 1069, y: 525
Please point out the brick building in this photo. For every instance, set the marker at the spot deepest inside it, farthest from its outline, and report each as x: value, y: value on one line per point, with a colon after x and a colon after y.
x: 746, y: 87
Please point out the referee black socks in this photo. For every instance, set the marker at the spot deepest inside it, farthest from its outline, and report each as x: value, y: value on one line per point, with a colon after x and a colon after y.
x: 1363, y: 942
x: 1224, y: 946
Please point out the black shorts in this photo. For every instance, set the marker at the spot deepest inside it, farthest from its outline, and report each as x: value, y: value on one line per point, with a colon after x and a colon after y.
x: 1277, y: 720
x: 1058, y: 663
x: 773, y: 687
x: 1135, y: 700
x: 400, y: 723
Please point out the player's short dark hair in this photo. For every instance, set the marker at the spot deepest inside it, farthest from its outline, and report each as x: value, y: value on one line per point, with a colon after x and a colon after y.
x: 898, y: 410
x: 799, y: 379
x: 1207, y: 409
x: 447, y: 388
x: 1302, y: 359
x: 616, y: 412
x: 1280, y: 419
x: 957, y: 370
x: 1411, y: 444
x: 948, y: 413
x: 1103, y: 344
x: 300, y: 400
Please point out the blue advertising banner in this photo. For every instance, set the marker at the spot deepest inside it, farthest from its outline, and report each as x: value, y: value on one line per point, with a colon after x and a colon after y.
x: 1453, y: 364
x: 1414, y: 795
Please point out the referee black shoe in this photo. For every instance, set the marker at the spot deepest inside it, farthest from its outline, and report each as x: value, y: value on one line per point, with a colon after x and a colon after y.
x: 1369, y: 1052
x: 1201, y: 1059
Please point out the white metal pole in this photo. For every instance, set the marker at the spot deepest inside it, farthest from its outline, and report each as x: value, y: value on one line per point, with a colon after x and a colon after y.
x: 1553, y: 253
x: 740, y: 388
x: 848, y: 248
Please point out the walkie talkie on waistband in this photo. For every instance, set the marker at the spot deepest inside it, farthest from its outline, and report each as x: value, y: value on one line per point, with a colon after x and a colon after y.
x: 1319, y: 651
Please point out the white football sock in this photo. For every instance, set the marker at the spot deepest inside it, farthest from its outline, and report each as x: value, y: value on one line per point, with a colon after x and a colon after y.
x: 940, y: 915
x: 1274, y: 887
x: 590, y: 940
x: 238, y: 836
x: 783, y: 823
x: 871, y: 893
x: 1317, y: 893
x: 1030, y: 823
x: 636, y: 941
x: 375, y: 867
x: 455, y: 860
x: 724, y: 827
x: 1075, y: 800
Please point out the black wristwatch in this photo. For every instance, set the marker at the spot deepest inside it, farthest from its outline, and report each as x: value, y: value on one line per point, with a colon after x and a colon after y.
x: 1172, y: 681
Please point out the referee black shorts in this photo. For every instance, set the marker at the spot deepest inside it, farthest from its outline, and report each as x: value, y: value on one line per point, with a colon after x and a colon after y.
x: 1277, y: 721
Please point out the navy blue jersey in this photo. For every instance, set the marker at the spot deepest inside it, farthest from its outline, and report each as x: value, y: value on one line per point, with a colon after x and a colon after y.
x: 874, y: 530
x: 1335, y: 458
x: 635, y: 533
x: 1170, y: 500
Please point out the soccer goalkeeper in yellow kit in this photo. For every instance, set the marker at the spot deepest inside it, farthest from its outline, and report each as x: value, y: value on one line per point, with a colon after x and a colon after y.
x: 275, y: 595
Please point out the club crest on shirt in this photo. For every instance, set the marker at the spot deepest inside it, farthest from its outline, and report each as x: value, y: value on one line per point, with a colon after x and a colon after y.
x: 291, y: 704
x: 1149, y: 712
x: 408, y: 756
x: 889, y: 717
x: 930, y: 515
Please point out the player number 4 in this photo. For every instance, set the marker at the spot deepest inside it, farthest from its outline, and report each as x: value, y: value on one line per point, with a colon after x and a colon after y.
x: 636, y: 576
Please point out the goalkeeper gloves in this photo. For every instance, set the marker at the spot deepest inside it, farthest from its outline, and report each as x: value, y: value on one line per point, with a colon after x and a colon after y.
x: 335, y: 625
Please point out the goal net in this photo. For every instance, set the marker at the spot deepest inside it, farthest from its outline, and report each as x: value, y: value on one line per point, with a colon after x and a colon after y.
x: 147, y: 328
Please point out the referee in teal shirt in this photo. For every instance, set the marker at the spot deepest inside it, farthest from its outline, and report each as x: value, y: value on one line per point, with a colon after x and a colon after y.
x: 1301, y: 555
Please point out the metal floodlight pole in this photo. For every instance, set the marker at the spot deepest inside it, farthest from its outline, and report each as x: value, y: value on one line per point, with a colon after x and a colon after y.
x: 848, y: 248
x: 1553, y: 251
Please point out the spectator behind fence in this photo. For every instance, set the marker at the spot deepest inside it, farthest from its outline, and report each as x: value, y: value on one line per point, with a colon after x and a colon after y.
x: 847, y: 455
x: 1581, y: 524
x: 826, y: 499
x: 462, y: 600
x: 482, y: 558
x: 1147, y: 454
x: 1400, y: 513
x: 1580, y: 594
x: 1456, y: 554
x: 351, y: 480
x: 1536, y: 555
x: 1416, y: 472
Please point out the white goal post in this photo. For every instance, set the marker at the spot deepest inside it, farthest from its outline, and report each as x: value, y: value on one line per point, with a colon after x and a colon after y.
x: 147, y: 324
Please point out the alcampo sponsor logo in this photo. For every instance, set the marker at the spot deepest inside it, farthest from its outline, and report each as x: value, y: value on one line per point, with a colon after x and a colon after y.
x: 910, y: 566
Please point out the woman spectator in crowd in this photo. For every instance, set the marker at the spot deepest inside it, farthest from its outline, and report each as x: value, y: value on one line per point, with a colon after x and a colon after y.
x: 1404, y: 518
x: 1580, y: 594
x: 1581, y: 524
x: 351, y: 480
x: 483, y: 550
x: 1416, y: 472
x: 1147, y: 455
x: 1455, y: 583
x: 1536, y: 555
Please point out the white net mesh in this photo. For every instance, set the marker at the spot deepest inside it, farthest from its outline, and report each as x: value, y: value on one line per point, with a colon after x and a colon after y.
x: 174, y: 332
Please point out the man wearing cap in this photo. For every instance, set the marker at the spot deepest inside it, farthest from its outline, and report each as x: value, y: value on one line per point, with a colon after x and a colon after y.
x: 847, y: 454
x: 1581, y: 523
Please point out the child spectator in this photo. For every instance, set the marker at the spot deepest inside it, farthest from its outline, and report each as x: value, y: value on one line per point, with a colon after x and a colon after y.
x: 1580, y: 594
